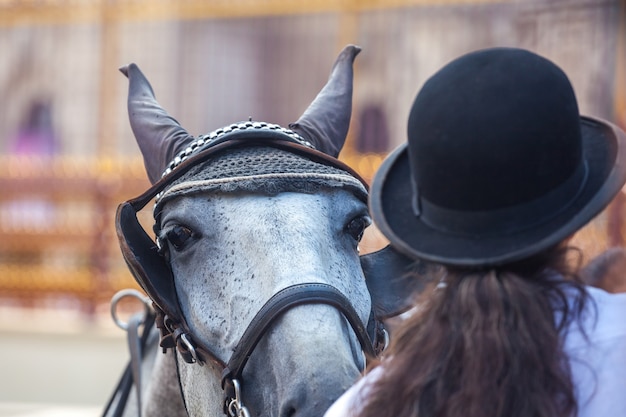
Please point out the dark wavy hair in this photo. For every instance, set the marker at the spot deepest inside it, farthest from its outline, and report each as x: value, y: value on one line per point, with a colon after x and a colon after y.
x: 488, y: 344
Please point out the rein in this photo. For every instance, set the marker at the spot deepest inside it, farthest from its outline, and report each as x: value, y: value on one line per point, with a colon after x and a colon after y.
x: 137, y: 342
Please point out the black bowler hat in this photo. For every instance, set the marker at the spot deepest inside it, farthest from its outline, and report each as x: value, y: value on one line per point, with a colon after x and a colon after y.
x: 499, y: 164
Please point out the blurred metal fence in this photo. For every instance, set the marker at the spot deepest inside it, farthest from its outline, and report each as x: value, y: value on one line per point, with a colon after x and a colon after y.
x: 68, y: 156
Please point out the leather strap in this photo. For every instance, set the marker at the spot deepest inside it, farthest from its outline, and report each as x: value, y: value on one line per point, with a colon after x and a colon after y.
x: 176, y: 334
x: 299, y: 294
x: 135, y: 349
x: 119, y: 398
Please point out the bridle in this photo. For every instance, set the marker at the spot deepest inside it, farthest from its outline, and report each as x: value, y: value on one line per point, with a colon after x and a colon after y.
x: 176, y: 335
x: 153, y: 274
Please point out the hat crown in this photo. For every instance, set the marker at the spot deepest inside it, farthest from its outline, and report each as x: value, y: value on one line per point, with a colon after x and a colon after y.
x: 493, y: 129
x: 499, y: 165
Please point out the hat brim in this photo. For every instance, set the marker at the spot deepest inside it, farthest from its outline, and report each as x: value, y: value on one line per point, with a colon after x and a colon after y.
x: 604, y: 150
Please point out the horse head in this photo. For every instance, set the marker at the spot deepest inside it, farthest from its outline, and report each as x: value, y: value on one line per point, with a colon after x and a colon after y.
x: 255, y: 271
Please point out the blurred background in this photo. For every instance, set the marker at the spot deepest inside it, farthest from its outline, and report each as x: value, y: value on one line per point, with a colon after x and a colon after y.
x: 68, y: 157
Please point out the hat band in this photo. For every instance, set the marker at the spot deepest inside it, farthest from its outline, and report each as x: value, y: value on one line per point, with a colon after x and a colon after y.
x: 507, y: 220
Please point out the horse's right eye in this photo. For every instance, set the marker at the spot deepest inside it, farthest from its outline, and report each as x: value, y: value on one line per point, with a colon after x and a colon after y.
x: 356, y: 227
x: 178, y: 235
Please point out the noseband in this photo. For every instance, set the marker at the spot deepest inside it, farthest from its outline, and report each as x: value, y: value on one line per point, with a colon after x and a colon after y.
x: 178, y: 335
x: 153, y: 274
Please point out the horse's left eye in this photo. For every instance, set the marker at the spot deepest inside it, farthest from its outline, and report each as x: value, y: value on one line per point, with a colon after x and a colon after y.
x: 178, y: 235
x: 356, y: 227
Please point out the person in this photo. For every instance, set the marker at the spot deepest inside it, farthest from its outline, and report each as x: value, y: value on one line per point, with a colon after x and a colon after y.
x: 498, y: 173
x: 35, y: 135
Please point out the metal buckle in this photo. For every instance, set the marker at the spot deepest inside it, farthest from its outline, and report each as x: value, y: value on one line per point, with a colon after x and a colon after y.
x: 191, y: 349
x: 236, y: 407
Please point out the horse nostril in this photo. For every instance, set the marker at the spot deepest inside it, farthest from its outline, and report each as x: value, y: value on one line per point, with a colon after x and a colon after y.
x: 295, y: 404
x: 321, y: 393
x: 288, y: 412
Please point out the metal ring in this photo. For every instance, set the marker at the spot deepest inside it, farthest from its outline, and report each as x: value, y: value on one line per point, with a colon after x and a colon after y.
x: 129, y: 293
x: 236, y: 407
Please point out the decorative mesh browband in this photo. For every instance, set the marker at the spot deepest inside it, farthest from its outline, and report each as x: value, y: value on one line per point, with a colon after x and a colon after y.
x: 260, y: 169
x: 210, y: 139
x: 256, y: 168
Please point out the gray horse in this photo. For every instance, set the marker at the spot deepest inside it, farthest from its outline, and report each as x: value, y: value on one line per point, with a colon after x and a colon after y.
x: 263, y: 304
